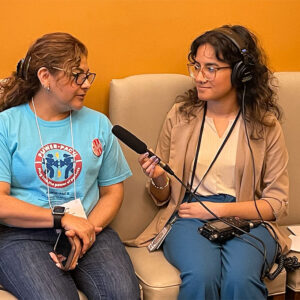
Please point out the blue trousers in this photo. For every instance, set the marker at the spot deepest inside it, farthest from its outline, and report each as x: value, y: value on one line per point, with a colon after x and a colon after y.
x: 212, y: 271
x: 28, y: 272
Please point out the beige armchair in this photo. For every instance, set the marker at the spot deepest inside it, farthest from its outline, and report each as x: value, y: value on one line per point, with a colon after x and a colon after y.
x: 140, y: 103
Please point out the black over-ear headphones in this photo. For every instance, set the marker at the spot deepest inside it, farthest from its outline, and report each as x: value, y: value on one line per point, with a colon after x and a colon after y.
x: 241, y: 71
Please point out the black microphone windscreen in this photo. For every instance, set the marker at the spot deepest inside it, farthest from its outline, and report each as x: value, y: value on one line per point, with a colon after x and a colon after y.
x: 129, y: 139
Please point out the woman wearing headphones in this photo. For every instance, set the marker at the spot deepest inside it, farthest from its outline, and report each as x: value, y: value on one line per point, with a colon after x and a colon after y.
x: 224, y: 140
x: 61, y: 170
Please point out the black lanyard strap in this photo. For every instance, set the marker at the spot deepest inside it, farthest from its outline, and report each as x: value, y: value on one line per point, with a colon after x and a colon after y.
x: 216, y: 156
x: 198, y: 145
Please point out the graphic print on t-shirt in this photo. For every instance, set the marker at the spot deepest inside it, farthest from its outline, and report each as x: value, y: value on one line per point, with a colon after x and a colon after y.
x: 57, y: 160
x: 97, y: 147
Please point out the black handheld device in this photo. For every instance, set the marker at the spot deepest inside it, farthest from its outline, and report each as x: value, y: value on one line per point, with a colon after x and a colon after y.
x: 66, y: 247
x: 218, y: 231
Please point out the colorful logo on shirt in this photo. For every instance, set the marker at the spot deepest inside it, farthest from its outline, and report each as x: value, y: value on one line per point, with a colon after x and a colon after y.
x: 97, y: 147
x: 55, y: 162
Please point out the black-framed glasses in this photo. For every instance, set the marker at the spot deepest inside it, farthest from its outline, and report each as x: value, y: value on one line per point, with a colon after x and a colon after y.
x: 208, y: 72
x: 80, y: 77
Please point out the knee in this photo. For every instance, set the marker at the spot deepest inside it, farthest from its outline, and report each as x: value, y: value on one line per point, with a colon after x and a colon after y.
x: 125, y: 292
x: 200, y: 277
x: 127, y: 289
x: 239, y: 283
x: 120, y: 288
x: 51, y: 294
x: 198, y: 284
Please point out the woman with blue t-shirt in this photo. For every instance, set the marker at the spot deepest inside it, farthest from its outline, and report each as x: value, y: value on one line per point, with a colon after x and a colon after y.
x: 61, y: 177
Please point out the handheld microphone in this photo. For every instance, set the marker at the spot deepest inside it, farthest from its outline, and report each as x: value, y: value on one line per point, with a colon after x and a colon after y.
x: 137, y: 145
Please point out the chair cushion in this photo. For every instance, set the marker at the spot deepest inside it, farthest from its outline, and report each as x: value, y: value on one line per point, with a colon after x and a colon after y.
x: 278, y: 285
x: 158, y: 278
x: 161, y: 280
x: 152, y: 268
x: 4, y: 295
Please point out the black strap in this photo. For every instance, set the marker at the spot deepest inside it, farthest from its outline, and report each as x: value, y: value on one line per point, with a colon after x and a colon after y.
x: 197, y: 150
x: 57, y: 221
x: 216, y: 156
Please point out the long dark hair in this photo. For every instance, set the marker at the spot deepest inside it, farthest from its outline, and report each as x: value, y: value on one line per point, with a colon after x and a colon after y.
x: 51, y: 50
x: 260, y: 98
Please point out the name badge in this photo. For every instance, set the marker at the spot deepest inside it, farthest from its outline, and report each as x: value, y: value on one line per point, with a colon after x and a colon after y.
x: 75, y: 208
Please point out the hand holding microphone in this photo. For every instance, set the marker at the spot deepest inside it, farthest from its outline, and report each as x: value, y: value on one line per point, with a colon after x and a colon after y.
x: 159, y: 178
x: 150, y: 165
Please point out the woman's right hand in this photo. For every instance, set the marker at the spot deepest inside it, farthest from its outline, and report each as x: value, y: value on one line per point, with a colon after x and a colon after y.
x: 82, y: 228
x: 150, y: 165
x: 160, y: 187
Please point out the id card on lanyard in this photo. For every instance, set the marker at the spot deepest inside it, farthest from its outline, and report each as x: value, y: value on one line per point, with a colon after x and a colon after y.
x: 75, y: 208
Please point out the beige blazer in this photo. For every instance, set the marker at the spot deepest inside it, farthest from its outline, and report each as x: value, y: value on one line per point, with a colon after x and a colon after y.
x: 177, y: 146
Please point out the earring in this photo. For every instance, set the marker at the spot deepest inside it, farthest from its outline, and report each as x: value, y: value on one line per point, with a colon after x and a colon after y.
x: 47, y: 88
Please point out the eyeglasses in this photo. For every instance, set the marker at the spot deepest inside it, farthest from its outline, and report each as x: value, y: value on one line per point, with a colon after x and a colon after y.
x: 80, y: 77
x: 208, y: 72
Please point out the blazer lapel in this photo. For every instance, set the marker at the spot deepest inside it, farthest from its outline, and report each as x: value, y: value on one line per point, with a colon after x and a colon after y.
x: 244, y: 167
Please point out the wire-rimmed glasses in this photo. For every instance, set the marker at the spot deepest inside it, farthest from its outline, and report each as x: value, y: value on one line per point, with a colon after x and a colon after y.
x: 208, y: 72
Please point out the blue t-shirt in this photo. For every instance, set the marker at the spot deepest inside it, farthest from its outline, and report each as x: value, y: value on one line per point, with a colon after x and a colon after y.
x: 24, y: 162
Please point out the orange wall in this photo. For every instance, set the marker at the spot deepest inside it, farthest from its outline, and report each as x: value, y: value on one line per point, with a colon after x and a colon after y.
x: 127, y: 37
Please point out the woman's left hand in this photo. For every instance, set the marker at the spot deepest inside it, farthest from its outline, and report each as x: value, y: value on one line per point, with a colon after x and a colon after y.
x: 59, y: 258
x: 196, y: 210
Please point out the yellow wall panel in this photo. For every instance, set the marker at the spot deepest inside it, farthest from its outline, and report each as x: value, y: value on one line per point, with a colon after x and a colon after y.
x: 127, y: 37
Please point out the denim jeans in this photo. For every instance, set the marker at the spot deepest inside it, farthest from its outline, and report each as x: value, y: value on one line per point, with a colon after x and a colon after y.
x: 28, y: 272
x: 212, y: 271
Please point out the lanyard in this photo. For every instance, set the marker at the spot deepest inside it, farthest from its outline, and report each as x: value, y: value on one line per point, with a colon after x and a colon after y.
x: 73, y: 153
x: 216, y: 156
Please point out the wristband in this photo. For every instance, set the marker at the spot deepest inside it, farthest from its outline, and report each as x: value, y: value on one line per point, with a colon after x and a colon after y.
x: 58, y: 212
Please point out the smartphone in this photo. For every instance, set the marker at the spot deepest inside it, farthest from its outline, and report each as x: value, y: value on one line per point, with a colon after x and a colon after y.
x: 65, y: 246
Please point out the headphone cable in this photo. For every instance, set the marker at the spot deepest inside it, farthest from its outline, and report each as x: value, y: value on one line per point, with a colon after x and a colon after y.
x: 278, y: 254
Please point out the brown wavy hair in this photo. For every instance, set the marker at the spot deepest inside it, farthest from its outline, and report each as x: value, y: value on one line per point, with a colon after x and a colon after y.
x: 260, y: 97
x: 56, y: 49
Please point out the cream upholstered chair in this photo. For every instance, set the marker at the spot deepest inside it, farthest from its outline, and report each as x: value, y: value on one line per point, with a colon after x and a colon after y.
x: 289, y: 94
x: 140, y: 103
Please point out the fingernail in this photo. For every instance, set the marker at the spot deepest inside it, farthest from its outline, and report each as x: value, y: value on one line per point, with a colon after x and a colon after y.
x: 156, y: 160
x: 58, y: 265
